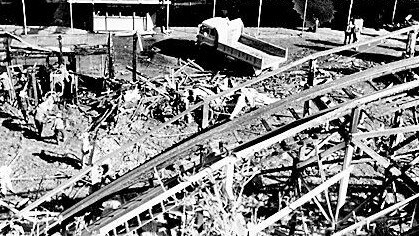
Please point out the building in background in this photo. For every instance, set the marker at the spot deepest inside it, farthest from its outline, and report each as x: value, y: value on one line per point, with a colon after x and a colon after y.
x: 120, y: 15
x: 98, y: 15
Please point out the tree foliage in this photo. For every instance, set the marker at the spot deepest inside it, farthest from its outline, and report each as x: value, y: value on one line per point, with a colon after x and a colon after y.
x: 320, y: 9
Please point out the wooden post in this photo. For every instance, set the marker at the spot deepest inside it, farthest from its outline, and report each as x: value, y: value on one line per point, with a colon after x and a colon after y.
x: 93, y: 17
x: 343, y: 188
x: 8, y: 54
x: 106, y: 20
x: 304, y: 17
x: 205, y: 113
x: 397, y: 122
x: 411, y: 43
x: 133, y: 21
x: 25, y: 29
x: 140, y: 44
x: 34, y: 87
x: 71, y: 14
x: 394, y: 11
x: 229, y: 180
x: 253, y: 231
x: 76, y: 89
x: 60, y: 46
x: 266, y: 125
x: 213, y: 8
x: 312, y: 72
x: 310, y: 83
x: 259, y: 14
x: 134, y: 56
x: 375, y: 216
x: 110, y: 57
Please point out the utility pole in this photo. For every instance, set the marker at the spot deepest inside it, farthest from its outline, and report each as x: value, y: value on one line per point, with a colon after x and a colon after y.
x: 71, y: 14
x: 304, y: 17
x: 167, y: 16
x: 213, y: 8
x: 260, y: 12
x: 394, y: 11
x: 25, y: 30
x: 350, y: 12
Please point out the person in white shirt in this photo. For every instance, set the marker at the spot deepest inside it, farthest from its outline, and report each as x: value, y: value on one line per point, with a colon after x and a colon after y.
x: 58, y: 127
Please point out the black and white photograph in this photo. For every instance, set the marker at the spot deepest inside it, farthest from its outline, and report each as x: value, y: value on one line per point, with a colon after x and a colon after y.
x: 209, y: 118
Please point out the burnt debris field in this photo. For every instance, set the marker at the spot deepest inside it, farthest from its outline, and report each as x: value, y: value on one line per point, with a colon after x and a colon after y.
x: 263, y: 132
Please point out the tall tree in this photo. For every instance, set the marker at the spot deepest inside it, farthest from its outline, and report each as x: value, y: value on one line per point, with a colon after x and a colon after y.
x: 320, y: 9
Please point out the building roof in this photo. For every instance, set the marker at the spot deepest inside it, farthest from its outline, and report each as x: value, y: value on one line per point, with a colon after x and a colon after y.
x: 121, y: 1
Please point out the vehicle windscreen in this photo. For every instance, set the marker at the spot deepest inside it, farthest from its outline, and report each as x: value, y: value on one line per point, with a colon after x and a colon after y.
x: 207, y: 31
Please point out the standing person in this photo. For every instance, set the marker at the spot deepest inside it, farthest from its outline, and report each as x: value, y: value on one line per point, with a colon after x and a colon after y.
x: 316, y: 24
x: 58, y: 127
x: 161, y: 19
x: 5, y: 180
x: 358, y: 25
x: 86, y: 148
x: 7, y: 87
x: 354, y: 31
x: 41, y: 114
x: 348, y: 31
x: 23, y: 100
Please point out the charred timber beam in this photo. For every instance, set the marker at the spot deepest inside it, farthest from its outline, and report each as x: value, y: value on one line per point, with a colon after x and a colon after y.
x: 289, y: 130
x: 130, y: 177
x: 322, y: 117
x: 254, y: 230
x: 387, y: 132
x: 376, y: 216
x: 164, y: 158
x: 349, y: 151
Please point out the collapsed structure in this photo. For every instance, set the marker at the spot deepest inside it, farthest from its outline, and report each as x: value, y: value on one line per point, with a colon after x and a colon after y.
x: 331, y: 157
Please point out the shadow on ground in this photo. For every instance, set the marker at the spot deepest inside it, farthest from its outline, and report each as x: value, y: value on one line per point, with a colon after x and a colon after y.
x: 324, y: 42
x: 206, y: 57
x: 14, y: 124
x: 7, y: 115
x: 374, y: 57
x: 66, y: 158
